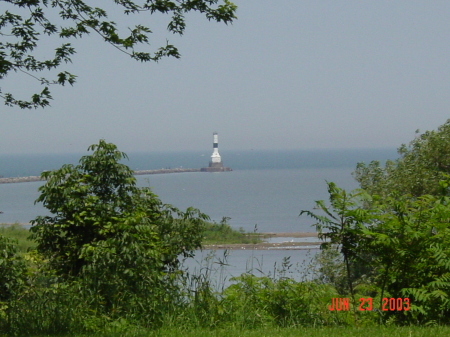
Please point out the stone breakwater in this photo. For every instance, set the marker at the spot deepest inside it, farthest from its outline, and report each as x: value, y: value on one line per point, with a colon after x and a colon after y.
x: 162, y: 171
x: 19, y: 179
x: 38, y: 178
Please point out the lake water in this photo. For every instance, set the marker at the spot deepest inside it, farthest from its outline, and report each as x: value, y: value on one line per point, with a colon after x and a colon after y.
x: 223, y: 265
x: 265, y: 191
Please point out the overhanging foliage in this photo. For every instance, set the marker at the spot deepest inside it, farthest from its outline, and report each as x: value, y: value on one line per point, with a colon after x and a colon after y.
x: 23, y: 23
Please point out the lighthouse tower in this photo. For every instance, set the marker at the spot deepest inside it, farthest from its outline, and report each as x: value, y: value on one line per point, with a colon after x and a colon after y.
x: 216, y: 161
x: 215, y: 164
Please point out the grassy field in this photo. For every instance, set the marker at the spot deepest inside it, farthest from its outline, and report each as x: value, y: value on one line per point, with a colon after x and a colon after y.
x: 214, y: 234
x: 313, y: 332
x: 19, y: 233
x: 222, y: 233
x: 374, y: 331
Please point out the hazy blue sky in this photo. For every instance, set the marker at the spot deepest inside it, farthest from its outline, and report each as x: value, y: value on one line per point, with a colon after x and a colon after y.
x: 287, y: 74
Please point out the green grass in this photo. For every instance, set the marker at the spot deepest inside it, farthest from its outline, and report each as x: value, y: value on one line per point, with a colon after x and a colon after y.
x: 312, y: 332
x: 19, y: 233
x: 222, y: 233
x: 373, y: 331
x: 176, y: 326
x: 214, y: 234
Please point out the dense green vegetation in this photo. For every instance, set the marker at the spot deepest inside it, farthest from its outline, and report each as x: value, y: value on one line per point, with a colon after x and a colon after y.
x: 302, y: 332
x: 19, y: 234
x: 107, y: 262
x: 391, y: 331
x: 397, y: 248
x: 393, y: 234
x: 213, y: 233
x: 223, y: 233
x: 421, y: 165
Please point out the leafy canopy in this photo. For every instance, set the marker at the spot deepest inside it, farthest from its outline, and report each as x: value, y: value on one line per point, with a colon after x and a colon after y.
x: 23, y: 24
x: 410, y: 244
x: 422, y: 164
x: 341, y: 224
x: 100, y: 218
x: 392, y: 247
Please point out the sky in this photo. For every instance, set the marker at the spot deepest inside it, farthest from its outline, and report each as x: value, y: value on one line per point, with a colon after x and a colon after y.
x: 285, y: 75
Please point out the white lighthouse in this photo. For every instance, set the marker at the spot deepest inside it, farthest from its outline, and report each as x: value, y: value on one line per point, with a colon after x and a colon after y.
x: 215, y: 164
x: 216, y: 161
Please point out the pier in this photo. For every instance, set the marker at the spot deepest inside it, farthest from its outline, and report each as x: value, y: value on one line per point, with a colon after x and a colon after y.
x: 215, y: 165
x: 11, y: 180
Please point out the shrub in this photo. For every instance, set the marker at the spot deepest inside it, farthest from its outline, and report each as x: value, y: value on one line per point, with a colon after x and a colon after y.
x: 258, y: 301
x: 118, y: 241
x: 12, y: 269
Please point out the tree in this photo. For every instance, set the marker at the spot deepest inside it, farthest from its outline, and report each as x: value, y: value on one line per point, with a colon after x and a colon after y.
x: 119, y: 240
x: 395, y: 247
x: 409, y: 242
x: 24, y: 23
x: 97, y: 201
x: 342, y: 226
x: 422, y: 164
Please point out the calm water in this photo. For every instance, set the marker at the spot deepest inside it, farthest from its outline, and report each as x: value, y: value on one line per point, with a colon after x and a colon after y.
x: 266, y: 189
x: 271, y: 200
x: 33, y: 164
x: 223, y: 265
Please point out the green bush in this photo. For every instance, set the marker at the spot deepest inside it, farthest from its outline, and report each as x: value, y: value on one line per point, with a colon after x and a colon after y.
x: 261, y: 301
x: 18, y: 232
x: 328, y: 267
x: 397, y: 248
x: 222, y: 233
x: 51, y: 309
x: 422, y: 164
x: 12, y: 269
x: 119, y: 243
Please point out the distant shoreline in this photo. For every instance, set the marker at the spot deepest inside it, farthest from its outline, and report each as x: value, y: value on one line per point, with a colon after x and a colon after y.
x: 11, y: 180
x: 265, y: 246
x: 287, y: 245
x: 296, y: 245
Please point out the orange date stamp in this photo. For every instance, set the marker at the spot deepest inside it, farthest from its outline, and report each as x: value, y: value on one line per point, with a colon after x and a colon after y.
x: 366, y: 304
